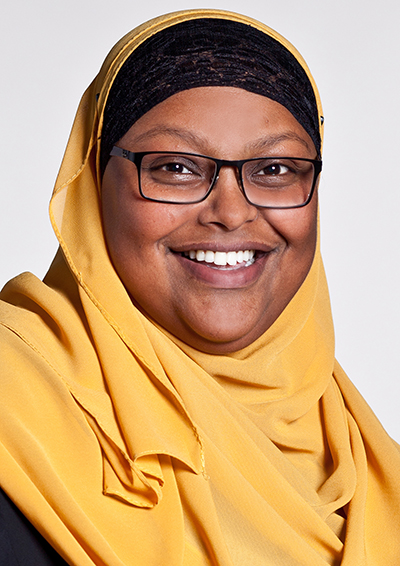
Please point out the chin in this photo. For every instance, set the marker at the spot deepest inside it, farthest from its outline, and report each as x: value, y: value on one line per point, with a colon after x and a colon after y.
x: 219, y: 339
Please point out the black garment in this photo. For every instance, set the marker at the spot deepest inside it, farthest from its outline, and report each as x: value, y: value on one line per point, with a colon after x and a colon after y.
x: 20, y: 543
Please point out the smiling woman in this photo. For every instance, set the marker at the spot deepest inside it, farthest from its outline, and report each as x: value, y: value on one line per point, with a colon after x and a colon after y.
x: 170, y: 393
x: 215, y: 308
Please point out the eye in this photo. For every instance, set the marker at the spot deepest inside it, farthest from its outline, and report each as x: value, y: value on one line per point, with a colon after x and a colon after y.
x: 176, y: 165
x: 177, y: 168
x: 272, y: 173
x: 274, y: 169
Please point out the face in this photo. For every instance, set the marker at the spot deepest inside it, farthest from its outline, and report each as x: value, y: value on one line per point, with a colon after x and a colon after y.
x: 216, y: 309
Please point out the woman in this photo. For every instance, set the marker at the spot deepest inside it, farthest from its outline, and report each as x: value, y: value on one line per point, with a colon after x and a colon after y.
x: 170, y: 394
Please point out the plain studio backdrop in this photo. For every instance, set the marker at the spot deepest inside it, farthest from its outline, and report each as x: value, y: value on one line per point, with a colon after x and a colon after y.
x: 52, y: 49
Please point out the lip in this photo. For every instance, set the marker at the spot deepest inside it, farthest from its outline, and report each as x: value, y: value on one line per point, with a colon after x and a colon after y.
x: 236, y: 277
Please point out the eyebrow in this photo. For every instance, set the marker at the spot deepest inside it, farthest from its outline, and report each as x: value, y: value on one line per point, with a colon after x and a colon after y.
x: 184, y: 135
x: 200, y: 141
x: 271, y: 141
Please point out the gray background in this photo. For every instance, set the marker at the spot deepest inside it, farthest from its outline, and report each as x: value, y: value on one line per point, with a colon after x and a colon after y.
x: 51, y: 50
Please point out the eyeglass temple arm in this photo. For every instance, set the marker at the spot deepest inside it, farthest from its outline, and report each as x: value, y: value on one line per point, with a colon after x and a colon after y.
x: 119, y: 152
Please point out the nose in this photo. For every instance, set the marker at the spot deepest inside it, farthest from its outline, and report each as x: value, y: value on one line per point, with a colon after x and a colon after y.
x: 227, y: 206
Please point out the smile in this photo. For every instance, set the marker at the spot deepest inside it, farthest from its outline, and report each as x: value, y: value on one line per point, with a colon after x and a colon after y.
x: 230, y: 259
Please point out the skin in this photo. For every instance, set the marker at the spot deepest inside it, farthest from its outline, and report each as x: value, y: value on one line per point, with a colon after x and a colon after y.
x: 215, y: 311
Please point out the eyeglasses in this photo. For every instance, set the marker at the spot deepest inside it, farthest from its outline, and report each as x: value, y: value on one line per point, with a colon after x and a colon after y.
x: 188, y: 178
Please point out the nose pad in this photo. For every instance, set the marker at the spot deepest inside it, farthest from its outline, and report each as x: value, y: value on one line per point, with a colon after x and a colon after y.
x: 227, y: 205
x: 236, y: 172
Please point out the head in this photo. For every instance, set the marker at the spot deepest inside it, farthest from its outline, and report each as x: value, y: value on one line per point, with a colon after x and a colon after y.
x: 215, y: 273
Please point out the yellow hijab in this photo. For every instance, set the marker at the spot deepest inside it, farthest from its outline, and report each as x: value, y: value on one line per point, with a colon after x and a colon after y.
x: 124, y: 446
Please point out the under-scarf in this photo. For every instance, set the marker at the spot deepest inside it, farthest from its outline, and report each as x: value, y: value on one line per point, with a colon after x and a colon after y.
x: 124, y: 446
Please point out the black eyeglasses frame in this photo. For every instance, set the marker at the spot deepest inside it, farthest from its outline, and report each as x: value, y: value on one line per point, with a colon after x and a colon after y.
x: 137, y: 157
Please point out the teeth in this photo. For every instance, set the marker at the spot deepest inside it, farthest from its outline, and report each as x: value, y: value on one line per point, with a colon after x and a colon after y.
x: 222, y: 258
x: 231, y: 258
x: 209, y: 257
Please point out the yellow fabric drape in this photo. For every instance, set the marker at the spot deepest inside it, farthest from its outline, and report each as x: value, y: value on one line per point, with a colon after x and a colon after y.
x: 124, y: 446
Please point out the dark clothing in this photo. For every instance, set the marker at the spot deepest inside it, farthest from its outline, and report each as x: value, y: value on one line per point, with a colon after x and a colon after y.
x: 20, y: 543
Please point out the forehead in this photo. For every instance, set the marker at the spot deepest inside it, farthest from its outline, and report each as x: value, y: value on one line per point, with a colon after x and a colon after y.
x: 218, y: 119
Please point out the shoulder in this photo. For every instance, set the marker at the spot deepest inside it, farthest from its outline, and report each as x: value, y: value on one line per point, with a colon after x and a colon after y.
x: 31, y: 340
x: 43, y: 329
x: 44, y: 348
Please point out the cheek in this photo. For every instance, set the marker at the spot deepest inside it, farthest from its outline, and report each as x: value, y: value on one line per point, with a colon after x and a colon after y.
x: 132, y: 240
x: 137, y: 231
x: 298, y: 228
x: 127, y: 225
x: 123, y: 230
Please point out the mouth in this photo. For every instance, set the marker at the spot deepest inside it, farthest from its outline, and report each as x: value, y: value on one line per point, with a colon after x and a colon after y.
x: 222, y: 260
x: 226, y: 268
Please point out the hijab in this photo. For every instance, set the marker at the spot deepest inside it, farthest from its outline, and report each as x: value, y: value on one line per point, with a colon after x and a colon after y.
x: 122, y: 445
